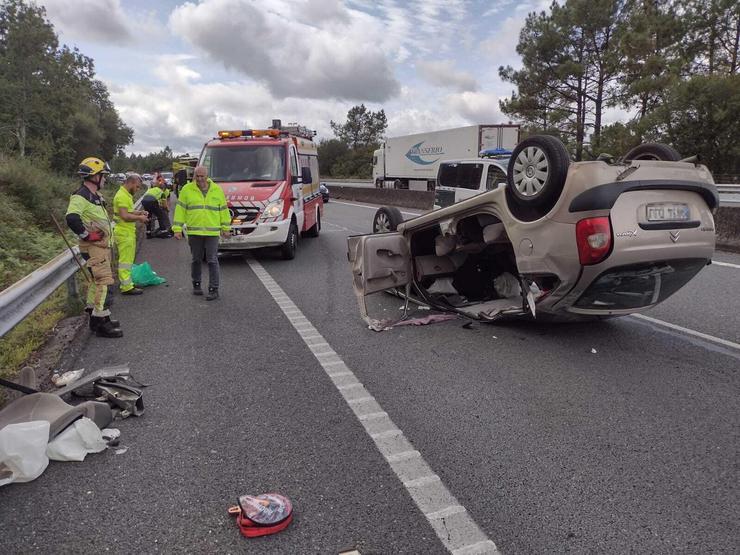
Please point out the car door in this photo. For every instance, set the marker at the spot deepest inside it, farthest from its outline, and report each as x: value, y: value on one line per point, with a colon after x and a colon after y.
x: 379, y: 262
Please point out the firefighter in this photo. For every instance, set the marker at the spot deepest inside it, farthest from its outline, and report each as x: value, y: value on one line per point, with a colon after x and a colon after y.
x: 124, y: 232
x: 201, y: 208
x: 88, y: 218
x: 152, y: 203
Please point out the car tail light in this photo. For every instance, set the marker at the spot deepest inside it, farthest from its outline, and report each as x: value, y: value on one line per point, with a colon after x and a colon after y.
x: 594, y: 239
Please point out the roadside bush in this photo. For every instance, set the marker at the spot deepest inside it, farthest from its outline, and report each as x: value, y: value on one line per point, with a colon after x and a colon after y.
x: 35, y: 188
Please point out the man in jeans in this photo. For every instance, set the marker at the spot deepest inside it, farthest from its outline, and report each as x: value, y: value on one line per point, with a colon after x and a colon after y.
x: 201, y: 209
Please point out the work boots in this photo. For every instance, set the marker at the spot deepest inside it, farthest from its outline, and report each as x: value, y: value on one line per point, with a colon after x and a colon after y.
x: 196, y: 288
x: 103, y: 327
x: 212, y: 294
x: 116, y: 323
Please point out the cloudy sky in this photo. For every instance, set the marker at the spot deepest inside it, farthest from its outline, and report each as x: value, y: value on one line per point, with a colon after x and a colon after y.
x: 178, y: 71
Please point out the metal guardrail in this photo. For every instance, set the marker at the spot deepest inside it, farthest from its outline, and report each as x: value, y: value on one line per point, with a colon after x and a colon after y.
x: 728, y: 189
x: 21, y: 298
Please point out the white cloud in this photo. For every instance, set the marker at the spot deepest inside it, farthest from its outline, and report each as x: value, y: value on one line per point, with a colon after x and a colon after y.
x: 183, y: 115
x: 92, y: 20
x: 443, y: 74
x: 293, y: 52
x: 476, y: 107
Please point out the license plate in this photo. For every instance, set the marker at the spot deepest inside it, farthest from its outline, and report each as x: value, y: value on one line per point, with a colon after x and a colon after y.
x: 668, y: 212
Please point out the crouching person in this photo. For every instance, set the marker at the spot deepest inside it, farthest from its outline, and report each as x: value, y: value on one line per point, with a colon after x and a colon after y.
x: 88, y: 219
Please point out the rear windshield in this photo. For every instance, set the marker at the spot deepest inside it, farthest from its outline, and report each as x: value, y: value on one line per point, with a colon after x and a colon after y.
x: 639, y: 285
x: 245, y: 163
x: 466, y: 176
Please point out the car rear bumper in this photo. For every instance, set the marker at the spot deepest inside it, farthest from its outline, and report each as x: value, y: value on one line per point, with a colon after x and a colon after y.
x: 255, y: 236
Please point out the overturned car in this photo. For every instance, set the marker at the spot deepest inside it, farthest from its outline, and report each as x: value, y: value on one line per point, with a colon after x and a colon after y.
x: 558, y: 241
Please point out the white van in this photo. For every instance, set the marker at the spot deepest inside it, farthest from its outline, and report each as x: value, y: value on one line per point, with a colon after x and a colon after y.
x: 458, y: 180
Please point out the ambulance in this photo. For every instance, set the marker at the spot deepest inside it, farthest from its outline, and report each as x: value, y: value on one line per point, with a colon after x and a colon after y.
x: 271, y: 181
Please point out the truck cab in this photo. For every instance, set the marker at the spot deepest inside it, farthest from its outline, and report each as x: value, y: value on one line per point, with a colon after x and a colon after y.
x: 458, y: 180
x: 270, y: 178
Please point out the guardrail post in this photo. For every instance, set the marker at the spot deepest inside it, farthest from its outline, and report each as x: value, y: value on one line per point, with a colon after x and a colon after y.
x: 72, y: 289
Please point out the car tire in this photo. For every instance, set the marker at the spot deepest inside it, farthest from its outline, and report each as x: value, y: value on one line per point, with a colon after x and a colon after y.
x: 315, y: 228
x: 653, y: 151
x: 291, y: 242
x: 536, y: 176
x: 386, y: 219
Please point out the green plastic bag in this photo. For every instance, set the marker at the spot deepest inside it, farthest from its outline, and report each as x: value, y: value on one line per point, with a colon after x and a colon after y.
x: 143, y: 275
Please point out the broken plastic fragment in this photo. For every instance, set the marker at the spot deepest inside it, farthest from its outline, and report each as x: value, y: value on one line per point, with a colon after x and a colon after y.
x: 593, y: 351
x: 60, y: 380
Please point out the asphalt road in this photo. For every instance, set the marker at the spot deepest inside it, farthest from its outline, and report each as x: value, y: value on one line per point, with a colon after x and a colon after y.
x: 547, y: 445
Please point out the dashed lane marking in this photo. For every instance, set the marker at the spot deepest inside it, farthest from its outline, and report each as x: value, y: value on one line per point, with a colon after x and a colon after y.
x: 453, y: 525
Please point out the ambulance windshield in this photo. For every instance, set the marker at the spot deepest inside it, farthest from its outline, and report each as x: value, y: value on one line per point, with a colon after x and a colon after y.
x: 244, y: 163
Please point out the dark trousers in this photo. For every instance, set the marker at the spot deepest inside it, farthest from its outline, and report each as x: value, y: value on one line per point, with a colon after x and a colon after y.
x: 151, y: 205
x: 208, y: 245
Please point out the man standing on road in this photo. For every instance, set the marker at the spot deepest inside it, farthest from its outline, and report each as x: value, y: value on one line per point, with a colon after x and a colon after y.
x: 125, y: 231
x: 88, y: 219
x: 201, y: 209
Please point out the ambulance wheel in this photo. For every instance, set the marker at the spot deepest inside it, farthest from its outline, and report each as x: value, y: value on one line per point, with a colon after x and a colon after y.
x: 289, y: 247
x: 315, y: 228
x: 387, y: 219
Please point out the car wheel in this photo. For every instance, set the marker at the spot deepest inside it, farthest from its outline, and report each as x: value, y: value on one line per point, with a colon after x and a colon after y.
x: 653, y: 151
x: 536, y: 176
x: 289, y: 247
x: 386, y: 219
x: 315, y: 228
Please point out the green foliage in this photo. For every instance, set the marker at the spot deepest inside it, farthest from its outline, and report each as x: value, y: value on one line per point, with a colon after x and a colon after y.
x: 53, y: 108
x: 330, y: 152
x: 351, y: 153
x: 357, y: 163
x: 363, y: 128
x: 147, y: 163
x: 673, y: 63
x: 700, y: 116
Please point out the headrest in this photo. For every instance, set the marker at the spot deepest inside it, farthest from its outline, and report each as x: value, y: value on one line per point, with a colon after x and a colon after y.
x: 444, y: 244
x: 493, y: 233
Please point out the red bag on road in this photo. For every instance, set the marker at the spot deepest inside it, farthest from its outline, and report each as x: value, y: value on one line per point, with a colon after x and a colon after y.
x: 260, y: 515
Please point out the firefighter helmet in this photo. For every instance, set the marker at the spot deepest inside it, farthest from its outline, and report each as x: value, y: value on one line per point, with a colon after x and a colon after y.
x: 93, y: 166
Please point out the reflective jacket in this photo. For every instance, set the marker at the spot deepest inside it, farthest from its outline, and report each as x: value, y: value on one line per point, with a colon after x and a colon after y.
x: 86, y: 211
x: 123, y: 199
x: 201, y: 214
x: 154, y: 192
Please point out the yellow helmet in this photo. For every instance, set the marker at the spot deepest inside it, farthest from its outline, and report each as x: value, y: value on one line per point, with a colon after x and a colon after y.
x: 93, y: 166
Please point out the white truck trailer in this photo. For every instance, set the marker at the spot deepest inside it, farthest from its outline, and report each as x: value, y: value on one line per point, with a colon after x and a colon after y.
x: 411, y: 162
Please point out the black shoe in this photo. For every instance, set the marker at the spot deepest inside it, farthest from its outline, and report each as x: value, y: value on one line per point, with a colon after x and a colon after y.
x: 196, y: 288
x: 148, y: 234
x: 103, y: 327
x: 212, y: 294
x: 134, y: 291
x: 93, y: 323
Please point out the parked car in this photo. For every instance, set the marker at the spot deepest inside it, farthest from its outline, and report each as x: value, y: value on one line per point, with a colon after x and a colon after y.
x: 560, y: 240
x: 324, y: 192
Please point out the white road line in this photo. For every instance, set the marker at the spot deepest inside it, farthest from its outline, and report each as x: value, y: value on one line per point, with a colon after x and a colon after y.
x: 688, y: 331
x: 457, y: 531
x: 375, y: 208
x: 717, y: 263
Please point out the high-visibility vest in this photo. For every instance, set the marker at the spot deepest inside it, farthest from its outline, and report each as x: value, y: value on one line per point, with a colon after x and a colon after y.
x: 201, y: 214
x: 154, y: 192
x: 123, y: 199
x: 90, y: 207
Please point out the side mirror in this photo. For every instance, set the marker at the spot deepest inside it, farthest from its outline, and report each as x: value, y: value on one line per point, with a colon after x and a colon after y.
x: 306, y: 175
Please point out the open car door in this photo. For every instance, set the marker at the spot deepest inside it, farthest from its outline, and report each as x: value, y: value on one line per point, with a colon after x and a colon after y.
x: 380, y: 262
